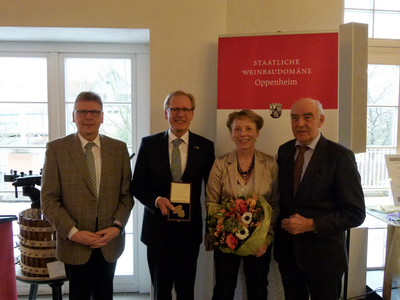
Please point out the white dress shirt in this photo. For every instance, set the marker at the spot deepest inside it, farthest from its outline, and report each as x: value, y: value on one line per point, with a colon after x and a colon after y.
x: 97, y: 165
x: 183, y: 147
x: 308, y: 154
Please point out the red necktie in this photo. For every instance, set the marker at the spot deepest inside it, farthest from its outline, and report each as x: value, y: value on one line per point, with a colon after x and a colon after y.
x: 298, y: 167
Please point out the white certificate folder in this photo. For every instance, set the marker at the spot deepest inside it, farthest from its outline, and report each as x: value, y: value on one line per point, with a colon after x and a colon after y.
x: 180, y: 199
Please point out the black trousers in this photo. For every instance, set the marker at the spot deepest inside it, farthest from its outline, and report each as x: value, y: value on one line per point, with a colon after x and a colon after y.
x: 300, y: 285
x: 173, y: 265
x: 92, y: 280
x: 255, y: 270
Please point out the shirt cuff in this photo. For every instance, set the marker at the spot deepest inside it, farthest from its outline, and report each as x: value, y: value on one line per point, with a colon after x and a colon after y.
x: 155, y: 203
x: 72, y: 232
x: 116, y: 221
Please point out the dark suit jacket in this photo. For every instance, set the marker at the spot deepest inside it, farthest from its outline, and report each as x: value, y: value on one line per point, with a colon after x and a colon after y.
x: 152, y: 178
x: 330, y: 193
x: 68, y: 198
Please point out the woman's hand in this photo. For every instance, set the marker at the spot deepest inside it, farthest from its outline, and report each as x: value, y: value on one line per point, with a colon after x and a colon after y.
x: 261, y: 251
x: 209, y: 242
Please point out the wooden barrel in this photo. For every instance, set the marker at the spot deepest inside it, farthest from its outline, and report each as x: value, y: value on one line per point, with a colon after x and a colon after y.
x: 37, y: 243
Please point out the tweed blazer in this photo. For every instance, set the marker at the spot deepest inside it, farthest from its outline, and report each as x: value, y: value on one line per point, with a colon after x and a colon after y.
x: 152, y: 178
x: 223, y: 181
x: 331, y: 194
x: 68, y: 198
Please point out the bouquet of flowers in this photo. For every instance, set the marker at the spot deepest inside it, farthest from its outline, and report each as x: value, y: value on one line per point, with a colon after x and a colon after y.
x: 240, y: 225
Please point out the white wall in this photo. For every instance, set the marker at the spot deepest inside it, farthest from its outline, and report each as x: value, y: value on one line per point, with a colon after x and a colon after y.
x: 183, y: 45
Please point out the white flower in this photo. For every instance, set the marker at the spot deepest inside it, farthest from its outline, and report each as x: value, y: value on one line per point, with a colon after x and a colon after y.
x: 247, y: 217
x: 242, y: 233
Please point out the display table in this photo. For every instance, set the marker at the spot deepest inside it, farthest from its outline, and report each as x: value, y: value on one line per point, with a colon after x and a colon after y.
x: 55, y: 284
x: 8, y: 286
x: 392, y: 258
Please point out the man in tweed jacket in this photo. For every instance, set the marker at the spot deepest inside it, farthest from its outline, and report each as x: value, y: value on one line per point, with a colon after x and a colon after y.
x: 89, y: 218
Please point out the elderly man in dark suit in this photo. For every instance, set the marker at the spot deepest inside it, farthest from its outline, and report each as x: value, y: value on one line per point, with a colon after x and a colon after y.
x: 172, y: 247
x: 320, y: 198
x: 85, y: 196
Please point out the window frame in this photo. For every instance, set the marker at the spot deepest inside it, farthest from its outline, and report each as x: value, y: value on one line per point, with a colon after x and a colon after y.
x: 139, y: 55
x: 372, y: 11
x: 380, y: 52
x: 386, y: 52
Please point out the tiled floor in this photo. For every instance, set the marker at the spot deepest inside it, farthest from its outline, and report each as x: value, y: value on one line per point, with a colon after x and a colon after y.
x: 117, y: 296
x: 375, y: 283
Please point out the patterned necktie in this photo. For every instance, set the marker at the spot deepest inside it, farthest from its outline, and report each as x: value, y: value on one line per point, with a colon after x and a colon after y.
x: 298, y: 167
x: 90, y: 163
x: 176, y: 167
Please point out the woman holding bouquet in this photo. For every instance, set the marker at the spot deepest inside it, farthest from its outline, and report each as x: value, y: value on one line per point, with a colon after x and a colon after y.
x: 242, y: 204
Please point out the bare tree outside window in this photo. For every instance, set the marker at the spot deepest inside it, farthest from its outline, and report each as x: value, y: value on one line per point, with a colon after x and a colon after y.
x: 382, y: 112
x: 111, y: 79
x: 382, y: 105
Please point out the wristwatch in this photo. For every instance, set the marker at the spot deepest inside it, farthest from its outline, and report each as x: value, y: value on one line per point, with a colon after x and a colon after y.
x: 121, y: 229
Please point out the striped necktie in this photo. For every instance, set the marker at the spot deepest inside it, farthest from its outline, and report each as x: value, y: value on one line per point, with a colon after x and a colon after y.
x: 90, y: 163
x: 176, y: 166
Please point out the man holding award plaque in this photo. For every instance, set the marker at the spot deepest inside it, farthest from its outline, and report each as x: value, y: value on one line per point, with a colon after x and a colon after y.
x: 170, y: 170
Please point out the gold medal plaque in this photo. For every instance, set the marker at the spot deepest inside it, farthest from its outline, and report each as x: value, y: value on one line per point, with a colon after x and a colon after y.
x: 180, y: 199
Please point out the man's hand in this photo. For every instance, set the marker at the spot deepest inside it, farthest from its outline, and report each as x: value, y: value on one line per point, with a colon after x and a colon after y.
x: 296, y: 224
x: 85, y: 237
x: 164, y: 205
x: 107, y: 235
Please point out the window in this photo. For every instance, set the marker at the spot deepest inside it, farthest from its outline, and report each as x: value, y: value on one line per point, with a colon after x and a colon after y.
x: 382, y: 16
x: 382, y: 120
x: 38, y: 88
x: 23, y: 115
x: 383, y: 19
x: 111, y: 79
x: 382, y: 138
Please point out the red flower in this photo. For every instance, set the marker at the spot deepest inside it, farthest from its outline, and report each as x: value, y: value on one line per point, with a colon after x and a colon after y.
x: 231, y: 211
x: 241, y: 205
x: 252, y: 202
x: 231, y: 241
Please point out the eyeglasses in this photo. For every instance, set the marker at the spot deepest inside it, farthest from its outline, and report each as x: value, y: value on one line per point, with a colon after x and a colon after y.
x: 176, y: 110
x: 94, y: 113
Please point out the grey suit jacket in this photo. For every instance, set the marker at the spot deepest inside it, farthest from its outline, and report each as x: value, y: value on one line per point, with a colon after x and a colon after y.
x: 69, y: 200
x: 223, y: 181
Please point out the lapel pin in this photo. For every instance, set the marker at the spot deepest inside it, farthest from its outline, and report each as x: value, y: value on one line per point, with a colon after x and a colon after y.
x: 196, y: 147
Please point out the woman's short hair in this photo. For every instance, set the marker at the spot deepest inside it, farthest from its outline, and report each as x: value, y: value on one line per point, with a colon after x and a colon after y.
x: 245, y: 113
x: 178, y: 93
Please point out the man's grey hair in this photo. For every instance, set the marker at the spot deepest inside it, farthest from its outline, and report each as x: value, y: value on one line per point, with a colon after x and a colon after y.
x: 319, y: 105
x: 88, y: 96
x: 179, y: 93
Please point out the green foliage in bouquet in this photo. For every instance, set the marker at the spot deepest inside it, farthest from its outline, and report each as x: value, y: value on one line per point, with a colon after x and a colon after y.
x: 240, y: 225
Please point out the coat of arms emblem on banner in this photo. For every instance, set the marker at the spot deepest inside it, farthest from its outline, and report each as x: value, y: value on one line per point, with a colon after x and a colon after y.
x: 275, y: 110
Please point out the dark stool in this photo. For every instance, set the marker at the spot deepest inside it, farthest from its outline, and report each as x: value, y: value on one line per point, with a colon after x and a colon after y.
x: 55, y: 285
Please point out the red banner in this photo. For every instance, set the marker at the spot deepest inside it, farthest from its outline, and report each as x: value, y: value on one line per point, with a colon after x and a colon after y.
x: 8, y: 284
x: 254, y: 71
